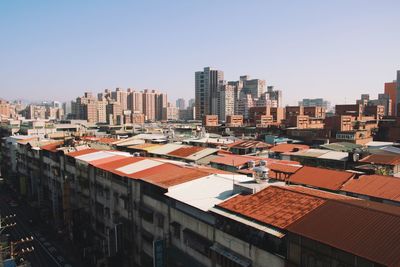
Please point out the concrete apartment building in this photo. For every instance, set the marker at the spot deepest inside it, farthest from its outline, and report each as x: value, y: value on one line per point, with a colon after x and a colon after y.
x: 390, y: 89
x: 314, y: 102
x: 4, y: 109
x: 116, y: 207
x: 181, y: 103
x: 135, y: 101
x: 226, y: 104
x: 117, y: 103
x: 207, y: 84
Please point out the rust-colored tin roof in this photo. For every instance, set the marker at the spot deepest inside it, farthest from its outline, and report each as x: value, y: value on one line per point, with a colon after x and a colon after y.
x: 274, y: 206
x: 286, y: 148
x: 321, y: 178
x: 81, y: 152
x: 379, y: 186
x: 362, y: 230
x: 52, y: 147
x: 382, y: 159
x: 167, y: 175
x: 185, y: 151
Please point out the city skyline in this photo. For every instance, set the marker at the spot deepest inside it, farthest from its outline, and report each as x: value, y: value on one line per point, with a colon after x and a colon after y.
x: 60, y: 50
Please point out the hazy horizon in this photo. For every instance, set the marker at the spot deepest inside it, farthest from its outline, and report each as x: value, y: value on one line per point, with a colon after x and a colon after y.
x: 58, y: 50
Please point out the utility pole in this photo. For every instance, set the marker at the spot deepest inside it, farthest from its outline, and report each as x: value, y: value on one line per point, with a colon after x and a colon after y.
x: 13, y: 247
x: 4, y: 224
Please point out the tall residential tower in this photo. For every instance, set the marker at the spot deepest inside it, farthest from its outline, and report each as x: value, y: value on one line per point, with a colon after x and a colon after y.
x: 207, y: 83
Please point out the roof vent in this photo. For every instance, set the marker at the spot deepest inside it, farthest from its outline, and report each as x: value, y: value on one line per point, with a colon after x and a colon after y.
x: 251, y: 164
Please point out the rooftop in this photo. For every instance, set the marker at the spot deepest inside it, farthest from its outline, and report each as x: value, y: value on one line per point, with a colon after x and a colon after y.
x: 205, y: 192
x: 274, y: 206
x: 386, y: 159
x: 321, y: 178
x: 359, y: 229
x: 379, y: 186
x: 322, y: 153
x: 287, y: 148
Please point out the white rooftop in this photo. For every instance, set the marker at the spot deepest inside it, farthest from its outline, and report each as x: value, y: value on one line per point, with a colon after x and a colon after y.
x: 101, y: 155
x: 204, y: 193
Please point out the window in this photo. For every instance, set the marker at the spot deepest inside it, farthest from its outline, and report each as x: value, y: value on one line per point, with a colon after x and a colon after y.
x: 160, y: 220
x: 146, y: 214
x: 176, y: 230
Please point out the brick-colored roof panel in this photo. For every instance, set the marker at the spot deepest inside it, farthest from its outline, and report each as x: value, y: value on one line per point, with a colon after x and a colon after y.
x: 368, y: 233
x: 321, y: 178
x: 379, y: 186
x: 286, y: 148
x: 274, y: 206
x: 112, y: 166
x: 82, y: 152
x: 52, y: 147
x: 382, y: 159
x: 168, y: 175
x: 185, y: 151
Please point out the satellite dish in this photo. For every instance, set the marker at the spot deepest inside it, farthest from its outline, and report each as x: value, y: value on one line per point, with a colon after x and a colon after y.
x: 356, y: 157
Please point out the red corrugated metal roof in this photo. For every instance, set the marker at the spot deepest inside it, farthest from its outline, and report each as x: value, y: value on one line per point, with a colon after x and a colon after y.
x: 386, y: 187
x: 382, y: 159
x: 114, y: 165
x: 52, y: 147
x: 234, y: 160
x: 274, y: 206
x: 285, y: 148
x: 82, y: 152
x: 358, y: 229
x: 364, y: 228
x: 184, y: 152
x: 167, y: 175
x: 106, y: 160
x: 321, y: 178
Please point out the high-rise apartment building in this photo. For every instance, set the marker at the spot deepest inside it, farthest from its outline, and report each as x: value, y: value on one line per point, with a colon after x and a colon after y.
x: 391, y: 91
x: 101, y: 111
x: 85, y: 108
x: 121, y: 97
x: 226, y: 101
x: 314, y: 102
x: 275, y: 96
x: 254, y: 87
x: 4, y: 109
x: 135, y: 101
x: 149, y: 104
x: 246, y: 102
x: 180, y: 103
x: 171, y: 113
x: 191, y: 102
x: 207, y: 83
x: 160, y: 105
x: 114, y: 113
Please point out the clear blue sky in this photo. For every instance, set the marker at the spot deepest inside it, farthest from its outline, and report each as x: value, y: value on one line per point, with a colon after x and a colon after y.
x: 59, y: 49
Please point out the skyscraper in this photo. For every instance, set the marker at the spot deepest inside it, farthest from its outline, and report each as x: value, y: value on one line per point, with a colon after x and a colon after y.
x: 207, y: 84
x: 226, y: 101
x: 160, y: 105
x: 180, y: 103
x: 275, y: 96
x: 85, y: 108
x: 191, y: 102
x: 254, y: 87
x: 121, y: 97
x: 135, y: 101
x: 149, y: 104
